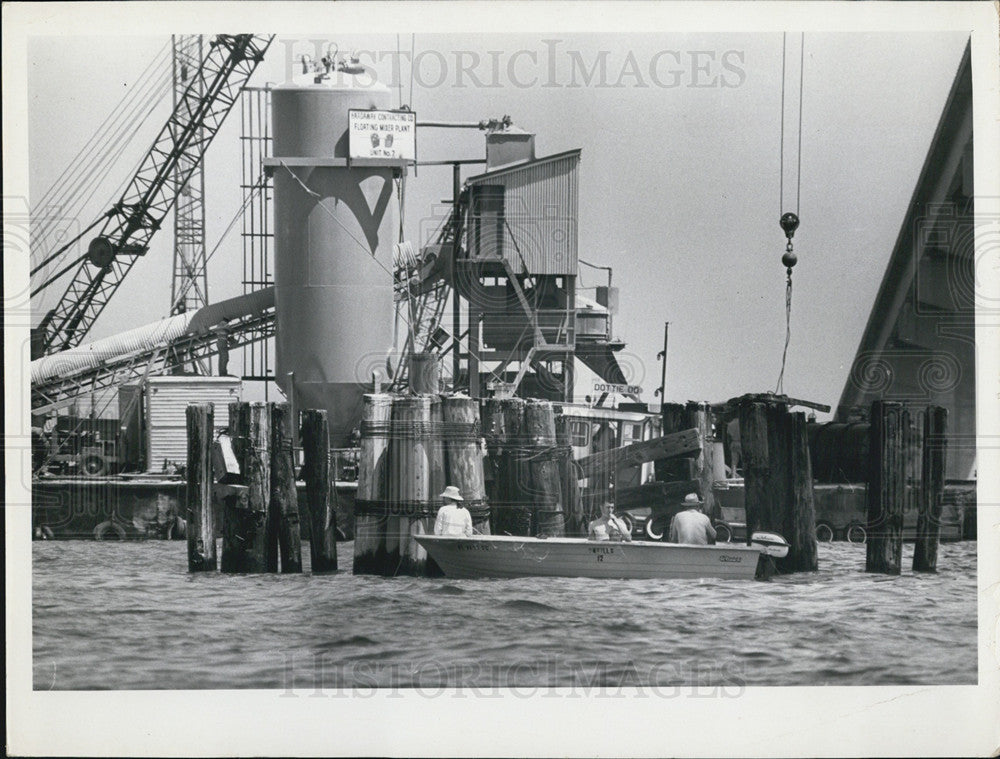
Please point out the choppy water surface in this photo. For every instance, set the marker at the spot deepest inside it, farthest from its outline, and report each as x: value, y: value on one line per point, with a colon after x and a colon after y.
x: 128, y: 615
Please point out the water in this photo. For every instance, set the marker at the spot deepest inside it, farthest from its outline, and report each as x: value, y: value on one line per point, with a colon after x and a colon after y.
x: 128, y: 615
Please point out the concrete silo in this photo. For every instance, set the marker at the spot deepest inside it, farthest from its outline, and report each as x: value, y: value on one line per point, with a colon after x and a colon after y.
x: 334, y: 230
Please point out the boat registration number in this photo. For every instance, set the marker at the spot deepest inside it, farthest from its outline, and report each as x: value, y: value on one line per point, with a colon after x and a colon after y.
x: 731, y: 559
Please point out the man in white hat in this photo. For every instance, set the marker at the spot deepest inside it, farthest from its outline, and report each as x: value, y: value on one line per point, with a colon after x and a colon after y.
x: 453, y: 518
x: 691, y: 525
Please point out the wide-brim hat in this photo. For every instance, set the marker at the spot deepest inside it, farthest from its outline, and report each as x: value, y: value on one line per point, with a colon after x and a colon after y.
x: 692, y: 499
x: 452, y: 492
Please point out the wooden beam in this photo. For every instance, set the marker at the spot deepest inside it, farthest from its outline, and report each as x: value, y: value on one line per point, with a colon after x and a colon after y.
x: 682, y: 443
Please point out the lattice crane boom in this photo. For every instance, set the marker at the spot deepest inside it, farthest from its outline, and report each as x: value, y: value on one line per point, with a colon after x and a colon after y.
x: 130, y: 224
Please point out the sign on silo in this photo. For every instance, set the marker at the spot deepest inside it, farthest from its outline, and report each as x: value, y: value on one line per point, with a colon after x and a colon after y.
x: 383, y: 136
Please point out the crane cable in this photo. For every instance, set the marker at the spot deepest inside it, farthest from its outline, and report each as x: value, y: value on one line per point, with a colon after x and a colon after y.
x: 789, y: 221
x: 77, y: 184
x: 75, y: 188
x: 125, y: 104
x: 122, y: 144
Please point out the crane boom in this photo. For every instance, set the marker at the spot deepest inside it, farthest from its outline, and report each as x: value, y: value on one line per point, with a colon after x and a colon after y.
x: 130, y: 224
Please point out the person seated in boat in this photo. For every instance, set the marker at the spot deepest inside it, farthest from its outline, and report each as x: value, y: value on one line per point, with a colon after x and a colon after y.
x: 608, y: 526
x: 691, y: 525
x: 453, y: 518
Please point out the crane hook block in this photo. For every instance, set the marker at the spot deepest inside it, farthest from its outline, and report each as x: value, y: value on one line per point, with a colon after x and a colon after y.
x: 101, y: 252
x: 789, y: 223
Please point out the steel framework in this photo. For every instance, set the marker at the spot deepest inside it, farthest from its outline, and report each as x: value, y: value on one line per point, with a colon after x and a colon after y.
x: 130, y: 224
x: 189, y: 290
x: 257, y: 233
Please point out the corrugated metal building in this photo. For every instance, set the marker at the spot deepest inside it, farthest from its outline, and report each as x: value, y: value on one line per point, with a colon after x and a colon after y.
x: 528, y: 216
x: 517, y: 273
x: 165, y: 407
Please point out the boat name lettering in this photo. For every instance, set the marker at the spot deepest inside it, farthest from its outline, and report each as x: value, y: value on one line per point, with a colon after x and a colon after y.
x: 475, y: 547
x: 615, y: 387
x: 731, y: 559
x: 602, y: 550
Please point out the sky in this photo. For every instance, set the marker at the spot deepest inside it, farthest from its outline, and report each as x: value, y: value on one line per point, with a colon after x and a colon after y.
x: 679, y: 177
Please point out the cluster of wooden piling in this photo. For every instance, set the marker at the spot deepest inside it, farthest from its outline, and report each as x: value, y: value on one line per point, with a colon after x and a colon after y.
x: 907, y: 455
x: 777, y: 474
x: 412, y: 447
x: 250, y: 475
x: 905, y: 452
x: 532, y: 484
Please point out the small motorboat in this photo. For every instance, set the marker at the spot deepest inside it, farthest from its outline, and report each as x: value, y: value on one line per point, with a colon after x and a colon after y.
x: 510, y: 556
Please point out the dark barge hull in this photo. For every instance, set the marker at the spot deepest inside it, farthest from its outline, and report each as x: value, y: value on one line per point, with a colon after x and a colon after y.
x: 136, y: 508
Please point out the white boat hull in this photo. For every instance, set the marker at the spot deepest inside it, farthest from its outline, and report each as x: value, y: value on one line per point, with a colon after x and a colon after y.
x: 506, y: 556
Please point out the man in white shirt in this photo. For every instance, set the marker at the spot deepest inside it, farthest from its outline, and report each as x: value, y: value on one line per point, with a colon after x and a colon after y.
x: 608, y: 526
x: 453, y: 518
x: 691, y: 526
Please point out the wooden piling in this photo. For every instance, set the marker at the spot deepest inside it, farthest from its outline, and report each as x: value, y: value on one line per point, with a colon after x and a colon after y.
x: 425, y: 374
x: 576, y: 522
x: 438, y: 454
x: 756, y: 464
x: 540, y: 426
x: 935, y: 454
x: 465, y: 457
x: 799, y: 517
x: 284, y: 507
x: 411, y: 511
x: 673, y: 418
x: 886, y: 489
x: 779, y: 468
x: 319, y: 491
x: 491, y: 412
x: 245, y: 521
x: 513, y: 511
x: 699, y: 417
x: 198, y: 499
x: 373, y: 482
x: 778, y: 484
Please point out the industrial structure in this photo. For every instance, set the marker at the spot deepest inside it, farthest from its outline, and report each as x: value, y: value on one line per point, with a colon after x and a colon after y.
x: 489, y: 303
x: 127, y: 227
x: 492, y: 298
